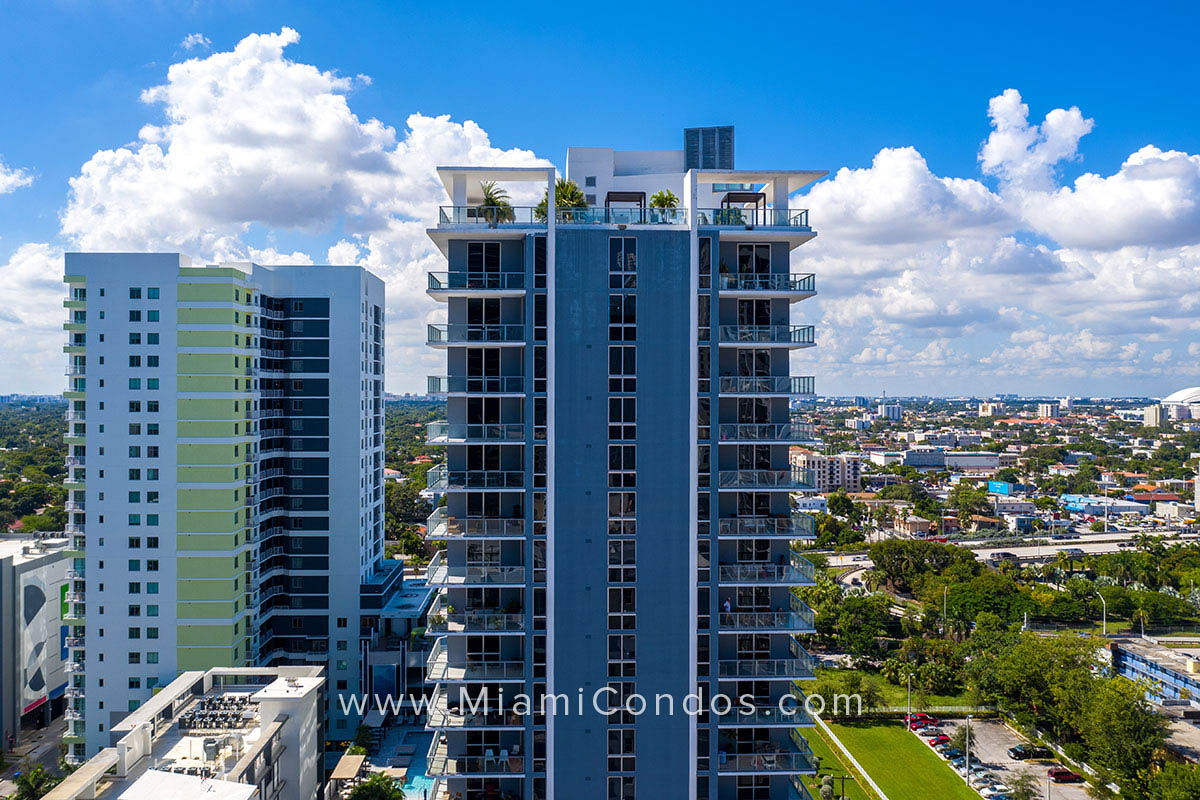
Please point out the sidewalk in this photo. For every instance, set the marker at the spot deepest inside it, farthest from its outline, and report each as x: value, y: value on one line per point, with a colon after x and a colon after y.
x: 38, y: 746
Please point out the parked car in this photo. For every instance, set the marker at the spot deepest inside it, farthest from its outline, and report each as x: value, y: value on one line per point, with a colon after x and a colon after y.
x: 1025, y: 752
x: 949, y: 753
x: 919, y: 715
x: 931, y: 731
x: 941, y: 738
x: 917, y: 725
x: 1063, y: 775
x: 994, y: 789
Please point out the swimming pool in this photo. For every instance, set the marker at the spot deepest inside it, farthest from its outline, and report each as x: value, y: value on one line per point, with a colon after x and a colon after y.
x: 416, y: 782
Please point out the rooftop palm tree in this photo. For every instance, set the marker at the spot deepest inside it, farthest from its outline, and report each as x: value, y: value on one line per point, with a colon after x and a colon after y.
x: 496, y: 206
x: 567, y: 194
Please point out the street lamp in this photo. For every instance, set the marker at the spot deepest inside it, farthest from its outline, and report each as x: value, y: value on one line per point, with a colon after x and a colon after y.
x: 1104, y: 612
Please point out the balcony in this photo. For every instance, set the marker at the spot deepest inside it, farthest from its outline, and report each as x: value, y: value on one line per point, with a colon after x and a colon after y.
x: 464, y: 384
x: 798, y: 620
x: 753, y: 217
x: 796, y: 572
x: 770, y: 335
x: 794, y: 526
x: 784, y: 479
x: 441, y: 479
x: 74, y: 506
x: 780, y: 432
x: 457, y: 432
x: 439, y: 573
x: 769, y: 283
x: 440, y: 525
x: 439, y: 668
x: 604, y: 215
x: 494, y: 762
x: 768, y: 715
x: 443, y: 334
x: 795, y: 669
x: 476, y: 284
x: 73, y: 667
x: 490, y: 216
x: 446, y: 711
x: 765, y: 385
x: 793, y: 756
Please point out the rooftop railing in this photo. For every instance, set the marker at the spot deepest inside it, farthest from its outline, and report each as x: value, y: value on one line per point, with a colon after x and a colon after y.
x: 601, y: 215
x: 765, y: 217
x: 490, y: 215
x: 768, y: 282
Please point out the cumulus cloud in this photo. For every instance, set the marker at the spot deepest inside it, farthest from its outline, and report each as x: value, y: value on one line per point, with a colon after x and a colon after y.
x: 12, y: 179
x: 194, y: 40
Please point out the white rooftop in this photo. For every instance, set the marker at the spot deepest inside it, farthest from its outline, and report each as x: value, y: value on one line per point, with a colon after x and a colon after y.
x: 158, y: 785
x: 1183, y: 396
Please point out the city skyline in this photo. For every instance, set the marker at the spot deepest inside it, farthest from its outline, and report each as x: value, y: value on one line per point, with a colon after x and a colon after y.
x: 1010, y: 241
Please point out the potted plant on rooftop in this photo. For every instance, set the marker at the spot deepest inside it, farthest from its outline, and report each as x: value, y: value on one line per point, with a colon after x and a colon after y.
x: 567, y: 197
x: 665, y: 202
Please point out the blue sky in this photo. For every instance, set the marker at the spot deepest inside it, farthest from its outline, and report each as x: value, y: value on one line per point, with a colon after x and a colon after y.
x: 805, y: 86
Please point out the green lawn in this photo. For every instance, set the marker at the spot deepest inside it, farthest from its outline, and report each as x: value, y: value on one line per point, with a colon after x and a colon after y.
x: 903, y: 766
x: 831, y: 764
x: 898, y: 695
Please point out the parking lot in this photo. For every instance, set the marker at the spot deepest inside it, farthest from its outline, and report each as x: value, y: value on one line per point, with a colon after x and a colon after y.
x: 992, y: 741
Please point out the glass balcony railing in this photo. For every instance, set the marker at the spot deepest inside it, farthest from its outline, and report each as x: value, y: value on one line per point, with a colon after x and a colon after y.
x: 765, y: 217
x: 474, y: 334
x: 793, y: 526
x: 798, y: 619
x: 440, y: 525
x: 798, y: 335
x: 600, y: 215
x: 765, y: 384
x: 494, y: 762
x: 765, y: 432
x: 444, y: 432
x: 489, y: 215
x: 441, y: 479
x: 768, y: 668
x: 792, y: 479
x: 441, y: 574
x: 793, y: 756
x: 767, y: 282
x: 794, y: 572
x: 476, y: 384
x: 440, y: 668
x: 446, y: 711
x: 791, y: 714
x: 475, y: 281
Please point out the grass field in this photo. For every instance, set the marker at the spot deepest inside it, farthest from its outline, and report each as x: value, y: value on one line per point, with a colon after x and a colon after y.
x: 831, y: 764
x: 903, y: 766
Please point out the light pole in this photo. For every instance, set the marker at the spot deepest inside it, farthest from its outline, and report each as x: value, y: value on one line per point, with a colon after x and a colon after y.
x: 967, y: 748
x: 945, y: 594
x: 1104, y: 612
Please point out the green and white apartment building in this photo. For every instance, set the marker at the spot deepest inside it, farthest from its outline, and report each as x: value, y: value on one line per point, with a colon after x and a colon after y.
x: 220, y: 515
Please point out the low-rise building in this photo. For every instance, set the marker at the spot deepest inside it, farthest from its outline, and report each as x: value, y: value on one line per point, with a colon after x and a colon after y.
x: 239, y: 733
x: 1096, y: 505
x: 33, y: 638
x: 841, y: 471
x: 972, y: 460
x: 914, y: 526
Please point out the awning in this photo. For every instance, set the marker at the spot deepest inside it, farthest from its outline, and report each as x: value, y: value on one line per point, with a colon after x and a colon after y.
x: 374, y: 718
x: 347, y: 767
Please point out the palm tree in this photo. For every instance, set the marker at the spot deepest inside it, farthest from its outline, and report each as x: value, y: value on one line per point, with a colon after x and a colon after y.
x: 33, y: 782
x: 567, y: 194
x: 665, y: 201
x: 377, y: 787
x: 496, y: 206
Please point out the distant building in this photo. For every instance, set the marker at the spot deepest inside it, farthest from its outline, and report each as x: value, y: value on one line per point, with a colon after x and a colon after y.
x: 1047, y: 410
x: 1066, y: 405
x: 862, y: 402
x: 1095, y: 505
x: 841, y: 471
x: 33, y: 638
x: 914, y: 526
x: 1153, y: 416
x: 925, y: 457
x: 973, y: 460
x: 991, y: 409
x: 890, y: 411
x: 858, y: 423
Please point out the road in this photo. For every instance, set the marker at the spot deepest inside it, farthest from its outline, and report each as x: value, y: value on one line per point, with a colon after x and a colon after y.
x: 40, y: 747
x: 992, y: 740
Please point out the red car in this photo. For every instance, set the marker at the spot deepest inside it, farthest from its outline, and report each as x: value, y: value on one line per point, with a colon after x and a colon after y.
x: 916, y: 726
x: 1063, y: 775
x: 939, y: 739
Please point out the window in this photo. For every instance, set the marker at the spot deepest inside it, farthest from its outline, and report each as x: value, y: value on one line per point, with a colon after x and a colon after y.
x: 135, y: 293
x: 135, y: 474
x: 151, y: 611
x: 135, y: 520
x: 151, y: 361
x: 151, y: 658
x: 152, y: 474
x: 622, y: 262
x: 135, y: 338
x: 151, y: 338
x: 135, y: 316
x: 152, y: 565
x: 151, y: 541
x: 152, y: 316
x: 135, y: 497
x: 135, y: 683
x: 152, y: 293
x: 151, y: 588
x: 135, y: 611
x: 152, y: 383
x: 134, y: 542
x: 135, y: 633
x: 151, y: 497
x: 152, y: 429
x: 135, y: 361
x: 589, y: 181
x: 152, y: 406
x: 135, y: 406
x: 135, y: 451
x: 135, y: 658
x: 152, y: 520
x: 152, y: 452
x: 135, y: 383
x: 134, y: 429
x: 135, y: 588
x: 622, y: 655
x: 135, y: 565
x: 620, y: 751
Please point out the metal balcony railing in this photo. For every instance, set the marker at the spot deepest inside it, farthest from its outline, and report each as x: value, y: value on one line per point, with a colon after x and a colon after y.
x: 441, y: 479
x: 475, y: 281
x: 477, y: 384
x: 798, y: 619
x: 798, y: 335
x: 439, y: 668
x: 443, y: 432
x: 440, y: 525
x: 794, y: 479
x: 765, y: 384
x: 768, y: 669
x: 793, y: 756
x: 768, y: 282
x: 458, y: 333
x: 443, y: 618
x: 766, y: 217
x: 793, y: 526
x: 445, y: 711
x: 790, y: 713
x: 439, y: 573
x: 765, y: 432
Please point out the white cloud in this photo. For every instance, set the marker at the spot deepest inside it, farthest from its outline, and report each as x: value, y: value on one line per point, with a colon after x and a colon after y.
x: 1024, y: 155
x: 194, y: 40
x: 12, y: 179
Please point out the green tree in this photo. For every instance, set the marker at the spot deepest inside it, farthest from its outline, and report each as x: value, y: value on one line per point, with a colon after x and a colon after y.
x: 1176, y: 782
x: 664, y: 199
x: 33, y: 782
x: 377, y: 787
x: 1025, y: 785
x: 1122, y: 732
x: 495, y: 206
x: 567, y: 194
